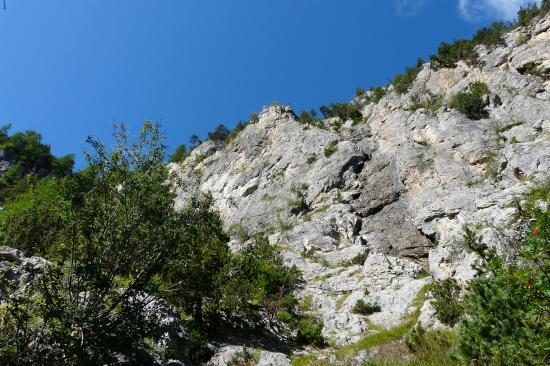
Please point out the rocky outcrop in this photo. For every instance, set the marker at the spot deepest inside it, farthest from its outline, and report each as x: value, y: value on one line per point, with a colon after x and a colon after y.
x: 366, y: 209
x: 259, y: 357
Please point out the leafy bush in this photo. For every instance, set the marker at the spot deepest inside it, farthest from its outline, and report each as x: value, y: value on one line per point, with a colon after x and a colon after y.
x: 30, y: 156
x: 506, y: 319
x: 331, y: 149
x: 527, y: 14
x: 220, y: 134
x: 257, y: 281
x: 376, y: 94
x: 492, y: 35
x: 447, y: 302
x: 431, y: 103
x: 299, y: 204
x: 365, y: 308
x: 235, y: 132
x: 345, y: 111
x: 308, y: 117
x: 196, y: 265
x: 359, y: 259
x: 449, y: 54
x: 470, y: 102
x: 245, y: 357
x: 32, y: 222
x: 402, y: 82
x: 309, y: 331
x: 180, y: 154
x: 119, y: 229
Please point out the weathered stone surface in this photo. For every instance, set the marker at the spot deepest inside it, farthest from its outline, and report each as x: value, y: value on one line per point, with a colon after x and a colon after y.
x: 262, y: 357
x: 399, y: 187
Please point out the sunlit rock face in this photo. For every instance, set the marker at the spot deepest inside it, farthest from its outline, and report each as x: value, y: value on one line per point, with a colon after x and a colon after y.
x: 368, y: 210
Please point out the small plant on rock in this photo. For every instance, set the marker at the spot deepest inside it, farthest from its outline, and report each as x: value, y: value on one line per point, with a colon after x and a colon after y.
x: 245, y: 357
x: 470, y: 102
x: 331, y: 149
x: 365, y: 308
x: 446, y: 301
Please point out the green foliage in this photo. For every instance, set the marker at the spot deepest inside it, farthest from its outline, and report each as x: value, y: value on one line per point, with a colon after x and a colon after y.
x: 119, y: 228
x: 345, y: 111
x: 527, y: 14
x: 359, y: 92
x: 402, y: 82
x: 507, y: 315
x: 331, y: 149
x: 180, y: 154
x: 199, y: 350
x: 29, y: 155
x: 256, y: 280
x: 359, y: 259
x: 522, y: 38
x: 376, y: 93
x: 245, y: 357
x: 309, y: 331
x: 308, y: 117
x: 446, y: 301
x: 365, y: 308
x: 491, y: 35
x: 470, y: 102
x: 32, y: 222
x: 299, y: 204
x: 430, y: 102
x: 195, y: 271
x: 219, y: 134
x: 235, y: 132
x: 449, y: 54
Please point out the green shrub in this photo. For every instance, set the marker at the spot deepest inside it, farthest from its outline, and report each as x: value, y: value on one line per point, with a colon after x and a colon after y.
x: 180, y: 154
x: 359, y: 92
x: 506, y: 320
x: 345, y: 111
x: 119, y: 226
x: 449, y: 54
x: 527, y: 14
x: 309, y: 331
x: 492, y: 35
x: 30, y: 155
x: 431, y: 103
x: 376, y: 94
x: 359, y: 259
x: 364, y: 308
x: 331, y: 149
x: 522, y: 38
x: 402, y: 82
x: 308, y: 117
x: 245, y: 357
x: 32, y: 222
x: 257, y: 279
x: 470, y: 102
x: 299, y: 204
x: 219, y: 134
x: 235, y: 131
x: 446, y: 301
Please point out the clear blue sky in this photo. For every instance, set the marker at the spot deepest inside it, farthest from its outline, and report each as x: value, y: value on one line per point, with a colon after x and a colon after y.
x: 70, y: 68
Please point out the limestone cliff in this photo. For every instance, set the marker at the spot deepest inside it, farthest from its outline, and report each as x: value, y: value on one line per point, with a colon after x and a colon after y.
x: 366, y: 209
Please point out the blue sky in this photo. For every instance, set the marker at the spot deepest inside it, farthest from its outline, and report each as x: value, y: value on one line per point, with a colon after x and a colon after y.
x: 70, y: 68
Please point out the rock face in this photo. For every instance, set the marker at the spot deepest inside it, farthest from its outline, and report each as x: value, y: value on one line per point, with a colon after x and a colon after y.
x: 365, y: 210
x: 259, y: 357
